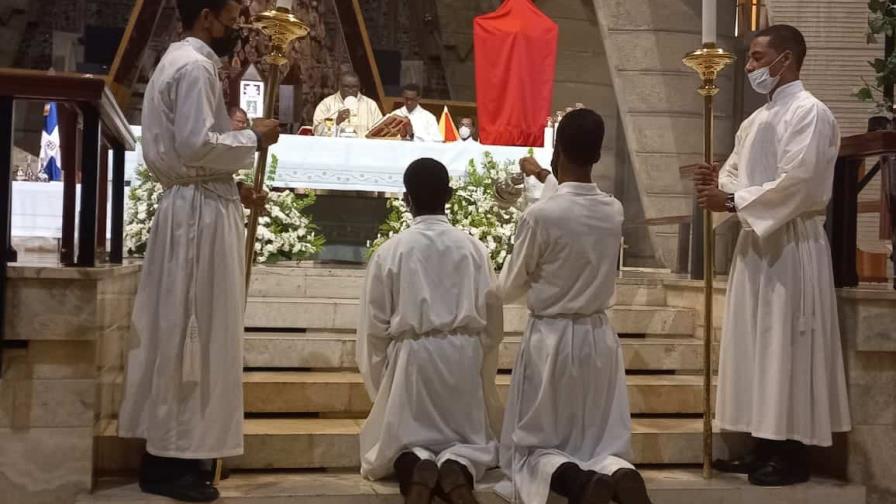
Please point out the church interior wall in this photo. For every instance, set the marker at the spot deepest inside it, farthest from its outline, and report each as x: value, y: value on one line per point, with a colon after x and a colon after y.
x: 660, y: 110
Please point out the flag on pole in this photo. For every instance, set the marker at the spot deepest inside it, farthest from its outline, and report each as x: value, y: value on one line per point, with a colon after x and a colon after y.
x: 446, y: 126
x: 50, y: 159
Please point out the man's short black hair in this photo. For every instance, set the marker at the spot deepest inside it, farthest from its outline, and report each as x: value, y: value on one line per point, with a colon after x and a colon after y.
x: 189, y: 10
x: 349, y: 73
x: 782, y: 37
x: 428, y: 185
x: 411, y: 87
x: 234, y: 109
x: 580, y: 136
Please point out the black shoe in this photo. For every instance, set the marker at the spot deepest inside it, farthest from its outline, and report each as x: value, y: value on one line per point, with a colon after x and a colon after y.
x: 423, y: 483
x: 752, y: 461
x: 597, y: 490
x: 456, y: 483
x: 208, y: 468
x: 187, y: 488
x: 629, y: 487
x: 778, y: 471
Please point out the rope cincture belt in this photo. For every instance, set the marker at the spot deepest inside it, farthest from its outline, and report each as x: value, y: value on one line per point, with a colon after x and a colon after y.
x: 199, y: 179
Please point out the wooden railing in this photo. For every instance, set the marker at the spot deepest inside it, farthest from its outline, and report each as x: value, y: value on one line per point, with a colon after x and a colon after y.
x: 845, y: 207
x: 88, y: 102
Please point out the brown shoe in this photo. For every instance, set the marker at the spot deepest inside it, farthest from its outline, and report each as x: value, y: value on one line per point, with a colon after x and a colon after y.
x: 423, y: 483
x: 457, y: 483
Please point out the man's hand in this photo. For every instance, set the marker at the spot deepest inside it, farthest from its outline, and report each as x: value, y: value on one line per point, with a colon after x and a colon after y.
x: 529, y: 166
x: 252, y: 200
x: 268, y: 131
x: 706, y: 175
x: 712, y: 198
x: 343, y: 116
x: 706, y: 185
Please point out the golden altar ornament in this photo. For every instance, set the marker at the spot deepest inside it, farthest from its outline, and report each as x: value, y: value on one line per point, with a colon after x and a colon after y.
x: 708, y: 62
x: 281, y: 27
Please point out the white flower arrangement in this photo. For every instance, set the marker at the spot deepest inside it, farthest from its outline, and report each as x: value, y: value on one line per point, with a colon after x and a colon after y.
x: 472, y: 209
x: 286, y: 233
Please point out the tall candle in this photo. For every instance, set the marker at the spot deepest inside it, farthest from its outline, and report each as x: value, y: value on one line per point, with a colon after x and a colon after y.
x: 284, y: 4
x: 709, y: 21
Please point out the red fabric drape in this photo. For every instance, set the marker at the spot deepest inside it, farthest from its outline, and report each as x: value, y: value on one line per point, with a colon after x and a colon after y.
x: 516, y: 55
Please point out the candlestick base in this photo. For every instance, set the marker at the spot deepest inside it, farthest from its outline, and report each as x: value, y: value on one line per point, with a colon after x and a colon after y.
x: 708, y: 61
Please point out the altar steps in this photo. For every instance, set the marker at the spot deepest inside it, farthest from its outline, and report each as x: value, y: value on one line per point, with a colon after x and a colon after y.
x: 305, y: 401
x: 666, y: 486
x: 297, y: 442
x: 342, y: 315
x: 343, y: 392
x: 336, y: 350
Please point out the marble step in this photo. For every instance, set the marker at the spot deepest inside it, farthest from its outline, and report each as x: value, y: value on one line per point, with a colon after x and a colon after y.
x: 666, y: 486
x: 342, y: 314
x: 346, y: 283
x: 344, y: 392
x: 312, y: 443
x: 329, y: 350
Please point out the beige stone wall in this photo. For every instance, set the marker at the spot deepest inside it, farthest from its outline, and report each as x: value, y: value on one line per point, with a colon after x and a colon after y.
x: 867, y: 455
x: 660, y: 110
x: 58, y: 389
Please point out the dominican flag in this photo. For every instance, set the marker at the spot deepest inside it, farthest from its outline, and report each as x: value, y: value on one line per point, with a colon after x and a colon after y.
x: 50, y: 158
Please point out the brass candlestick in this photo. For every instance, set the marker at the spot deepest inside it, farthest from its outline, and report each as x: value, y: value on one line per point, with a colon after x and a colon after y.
x: 708, y: 62
x: 281, y: 27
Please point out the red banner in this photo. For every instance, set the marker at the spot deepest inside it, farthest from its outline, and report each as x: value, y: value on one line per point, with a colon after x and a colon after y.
x: 516, y: 55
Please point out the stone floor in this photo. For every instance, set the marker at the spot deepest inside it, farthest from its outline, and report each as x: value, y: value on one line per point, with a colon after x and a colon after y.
x: 667, y: 486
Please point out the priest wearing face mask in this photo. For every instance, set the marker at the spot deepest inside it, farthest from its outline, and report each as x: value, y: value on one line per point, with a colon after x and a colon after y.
x: 183, y: 386
x: 347, y: 112
x: 781, y: 375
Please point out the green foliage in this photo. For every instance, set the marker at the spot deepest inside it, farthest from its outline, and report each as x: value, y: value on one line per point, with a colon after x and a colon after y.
x: 285, y: 233
x: 472, y: 209
x: 881, y: 21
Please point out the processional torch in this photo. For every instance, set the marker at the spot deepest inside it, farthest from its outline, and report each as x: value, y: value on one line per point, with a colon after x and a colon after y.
x: 281, y: 27
x: 708, y: 61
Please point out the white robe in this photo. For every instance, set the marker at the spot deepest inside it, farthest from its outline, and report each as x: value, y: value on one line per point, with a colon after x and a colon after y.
x: 781, y: 368
x: 362, y: 118
x: 183, y: 390
x: 424, y: 123
x: 428, y: 337
x: 568, y: 400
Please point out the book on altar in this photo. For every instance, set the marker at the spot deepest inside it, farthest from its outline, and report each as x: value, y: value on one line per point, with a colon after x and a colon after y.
x: 390, y: 127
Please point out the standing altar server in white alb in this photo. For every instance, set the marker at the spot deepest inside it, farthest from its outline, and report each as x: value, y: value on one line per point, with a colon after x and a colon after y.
x: 567, y: 426
x: 183, y: 391
x: 781, y: 374
x: 428, y: 338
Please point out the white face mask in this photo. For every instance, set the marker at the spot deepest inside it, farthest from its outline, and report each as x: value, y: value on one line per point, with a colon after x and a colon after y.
x: 465, y: 132
x: 761, y: 79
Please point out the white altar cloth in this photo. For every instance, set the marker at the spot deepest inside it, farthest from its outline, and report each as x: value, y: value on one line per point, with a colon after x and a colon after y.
x: 37, y: 209
x: 350, y: 164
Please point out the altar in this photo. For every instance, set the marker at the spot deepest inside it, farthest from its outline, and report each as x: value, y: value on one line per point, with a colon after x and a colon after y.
x: 353, y: 177
x: 375, y: 166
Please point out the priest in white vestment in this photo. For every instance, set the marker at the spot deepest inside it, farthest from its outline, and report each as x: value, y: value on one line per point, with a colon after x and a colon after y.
x: 183, y: 386
x: 781, y: 374
x: 347, y: 112
x: 424, y: 125
x: 428, y: 337
x: 567, y: 426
